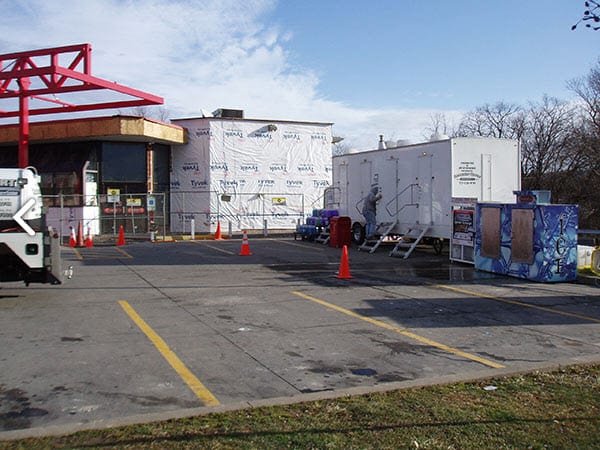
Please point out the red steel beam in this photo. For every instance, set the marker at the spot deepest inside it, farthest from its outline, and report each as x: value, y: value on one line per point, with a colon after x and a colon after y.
x: 21, y: 69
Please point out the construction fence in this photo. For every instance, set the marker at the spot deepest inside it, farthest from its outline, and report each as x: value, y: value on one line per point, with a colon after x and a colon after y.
x: 138, y: 214
x: 235, y: 211
x: 162, y: 214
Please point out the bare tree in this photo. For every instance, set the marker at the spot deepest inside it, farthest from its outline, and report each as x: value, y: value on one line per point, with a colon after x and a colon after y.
x: 439, y: 124
x: 560, y: 142
x: 338, y: 147
x: 586, y: 141
x: 587, y: 89
x: 591, y: 14
x: 152, y: 112
x: 547, y: 155
x: 497, y: 120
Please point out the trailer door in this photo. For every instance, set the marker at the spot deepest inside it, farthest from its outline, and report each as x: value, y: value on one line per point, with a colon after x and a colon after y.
x: 366, y: 168
x: 343, y: 189
x: 486, y: 177
x: 389, y: 189
x: 425, y: 180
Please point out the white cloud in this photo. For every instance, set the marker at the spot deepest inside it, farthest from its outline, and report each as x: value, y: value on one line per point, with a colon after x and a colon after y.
x: 199, y: 55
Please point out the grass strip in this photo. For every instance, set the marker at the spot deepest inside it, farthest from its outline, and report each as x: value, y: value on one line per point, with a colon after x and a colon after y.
x: 539, y: 410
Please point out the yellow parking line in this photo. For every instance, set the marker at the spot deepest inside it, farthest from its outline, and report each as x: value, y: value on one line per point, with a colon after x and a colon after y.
x: 516, y: 302
x: 219, y: 249
x: 312, y: 247
x: 402, y: 331
x: 190, y: 379
x: 123, y: 252
x: 92, y: 253
x: 77, y: 254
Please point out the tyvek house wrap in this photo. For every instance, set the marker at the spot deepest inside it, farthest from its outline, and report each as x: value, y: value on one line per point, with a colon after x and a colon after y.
x: 245, y: 172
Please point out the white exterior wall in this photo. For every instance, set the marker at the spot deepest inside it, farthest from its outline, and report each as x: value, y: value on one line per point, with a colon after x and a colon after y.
x: 481, y: 168
x: 274, y: 175
x: 486, y: 169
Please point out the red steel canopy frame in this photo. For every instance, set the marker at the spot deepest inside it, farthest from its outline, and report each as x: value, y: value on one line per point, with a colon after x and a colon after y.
x: 37, y: 73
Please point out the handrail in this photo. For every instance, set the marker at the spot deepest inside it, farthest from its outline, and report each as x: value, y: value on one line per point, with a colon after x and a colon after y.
x: 359, y: 202
x: 411, y: 203
x: 324, y: 196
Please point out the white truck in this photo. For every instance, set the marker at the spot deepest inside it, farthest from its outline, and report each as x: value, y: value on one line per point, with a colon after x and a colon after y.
x: 419, y: 183
x: 29, y: 251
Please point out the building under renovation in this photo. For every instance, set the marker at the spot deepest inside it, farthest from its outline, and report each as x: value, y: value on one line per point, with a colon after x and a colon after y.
x: 248, y: 173
x: 82, y: 161
x: 140, y: 174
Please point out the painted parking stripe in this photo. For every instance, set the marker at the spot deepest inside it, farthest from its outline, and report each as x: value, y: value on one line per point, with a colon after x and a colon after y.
x: 298, y: 244
x: 101, y: 253
x: 516, y: 302
x: 222, y: 250
x: 77, y: 254
x: 186, y: 375
x: 402, y: 331
x: 124, y: 253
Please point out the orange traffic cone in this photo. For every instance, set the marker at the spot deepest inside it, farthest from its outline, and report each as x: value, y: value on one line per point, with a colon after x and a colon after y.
x: 344, y: 271
x: 218, y: 236
x: 73, y: 238
x: 245, y: 247
x: 88, y: 239
x: 80, y: 235
x: 121, y: 240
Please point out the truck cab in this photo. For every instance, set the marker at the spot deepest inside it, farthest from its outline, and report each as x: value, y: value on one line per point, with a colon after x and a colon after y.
x: 29, y: 250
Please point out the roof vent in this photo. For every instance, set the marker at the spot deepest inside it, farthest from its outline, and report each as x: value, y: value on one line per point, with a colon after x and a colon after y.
x: 229, y: 113
x: 438, y: 137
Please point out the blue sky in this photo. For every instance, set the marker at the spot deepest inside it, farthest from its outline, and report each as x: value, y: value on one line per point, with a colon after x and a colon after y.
x: 441, y: 53
x: 371, y: 67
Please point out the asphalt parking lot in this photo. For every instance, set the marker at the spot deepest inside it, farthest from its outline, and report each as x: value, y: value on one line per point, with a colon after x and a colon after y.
x: 154, y: 330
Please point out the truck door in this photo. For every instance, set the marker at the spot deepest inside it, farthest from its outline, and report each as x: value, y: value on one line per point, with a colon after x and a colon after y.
x: 425, y: 181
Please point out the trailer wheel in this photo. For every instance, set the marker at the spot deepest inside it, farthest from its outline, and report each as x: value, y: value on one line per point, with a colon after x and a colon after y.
x: 438, y: 245
x: 358, y: 233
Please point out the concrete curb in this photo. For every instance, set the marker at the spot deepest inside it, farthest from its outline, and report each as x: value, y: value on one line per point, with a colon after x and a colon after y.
x: 467, y: 377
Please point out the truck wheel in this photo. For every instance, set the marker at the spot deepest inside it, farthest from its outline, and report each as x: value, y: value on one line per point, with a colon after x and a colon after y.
x: 358, y: 233
x: 438, y: 246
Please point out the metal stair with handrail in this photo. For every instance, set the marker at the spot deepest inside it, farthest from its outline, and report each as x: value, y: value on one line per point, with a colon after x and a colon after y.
x: 414, y: 235
x: 385, y: 228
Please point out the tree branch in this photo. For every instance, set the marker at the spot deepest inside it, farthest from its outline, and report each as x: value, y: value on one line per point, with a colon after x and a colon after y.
x: 591, y: 14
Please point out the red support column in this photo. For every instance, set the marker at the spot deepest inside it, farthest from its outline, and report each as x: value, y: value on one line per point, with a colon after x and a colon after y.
x: 23, y: 157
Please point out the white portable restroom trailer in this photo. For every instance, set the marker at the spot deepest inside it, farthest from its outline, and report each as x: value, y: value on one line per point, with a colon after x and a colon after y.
x: 418, y: 184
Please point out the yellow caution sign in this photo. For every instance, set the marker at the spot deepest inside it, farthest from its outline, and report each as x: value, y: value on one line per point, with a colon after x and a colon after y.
x: 134, y: 202
x: 113, y: 195
x: 278, y: 201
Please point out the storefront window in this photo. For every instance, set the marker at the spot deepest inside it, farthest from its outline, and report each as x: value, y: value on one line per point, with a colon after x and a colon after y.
x: 161, y: 168
x: 61, y: 185
x: 123, y: 162
x: 61, y: 167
